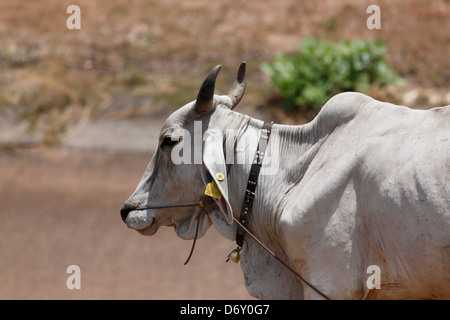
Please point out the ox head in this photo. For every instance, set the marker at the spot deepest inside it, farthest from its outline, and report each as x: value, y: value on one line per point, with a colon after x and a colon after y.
x: 189, y: 156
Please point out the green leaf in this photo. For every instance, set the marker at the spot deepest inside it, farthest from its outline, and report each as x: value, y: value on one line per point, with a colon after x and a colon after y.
x: 320, y: 69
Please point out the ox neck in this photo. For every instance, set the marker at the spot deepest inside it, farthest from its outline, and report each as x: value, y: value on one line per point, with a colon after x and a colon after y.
x: 288, y: 154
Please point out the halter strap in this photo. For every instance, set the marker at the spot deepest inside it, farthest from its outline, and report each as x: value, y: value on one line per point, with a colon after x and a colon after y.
x: 247, y: 206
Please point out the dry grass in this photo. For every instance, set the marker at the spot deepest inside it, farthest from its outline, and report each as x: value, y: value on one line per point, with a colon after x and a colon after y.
x: 162, y: 49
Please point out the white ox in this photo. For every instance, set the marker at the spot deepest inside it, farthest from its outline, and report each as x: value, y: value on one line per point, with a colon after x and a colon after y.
x: 365, y: 183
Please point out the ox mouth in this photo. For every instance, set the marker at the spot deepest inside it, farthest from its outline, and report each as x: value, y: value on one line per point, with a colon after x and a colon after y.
x: 142, y: 221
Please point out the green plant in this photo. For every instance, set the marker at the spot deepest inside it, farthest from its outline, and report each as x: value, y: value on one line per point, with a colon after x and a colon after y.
x: 321, y: 69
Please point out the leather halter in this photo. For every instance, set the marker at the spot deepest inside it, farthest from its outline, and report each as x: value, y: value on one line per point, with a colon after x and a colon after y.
x: 247, y: 206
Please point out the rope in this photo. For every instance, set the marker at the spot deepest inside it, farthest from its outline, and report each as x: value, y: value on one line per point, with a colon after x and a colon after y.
x: 200, y: 215
x: 207, y: 201
x: 281, y: 261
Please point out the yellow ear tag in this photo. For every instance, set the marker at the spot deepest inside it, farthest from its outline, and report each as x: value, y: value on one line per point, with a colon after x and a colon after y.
x: 212, y: 190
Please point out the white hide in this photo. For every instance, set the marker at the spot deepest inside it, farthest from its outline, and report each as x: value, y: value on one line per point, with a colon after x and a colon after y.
x: 365, y: 183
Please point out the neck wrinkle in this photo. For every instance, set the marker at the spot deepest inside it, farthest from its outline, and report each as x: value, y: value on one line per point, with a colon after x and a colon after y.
x: 292, y: 147
x: 289, y: 154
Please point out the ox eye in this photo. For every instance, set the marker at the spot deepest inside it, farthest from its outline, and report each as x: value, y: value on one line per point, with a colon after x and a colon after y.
x: 169, y: 143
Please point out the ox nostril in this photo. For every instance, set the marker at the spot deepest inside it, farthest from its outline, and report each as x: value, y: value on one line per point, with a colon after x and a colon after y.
x: 126, y: 209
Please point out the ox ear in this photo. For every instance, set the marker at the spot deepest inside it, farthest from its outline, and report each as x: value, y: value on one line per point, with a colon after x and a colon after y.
x: 214, y: 171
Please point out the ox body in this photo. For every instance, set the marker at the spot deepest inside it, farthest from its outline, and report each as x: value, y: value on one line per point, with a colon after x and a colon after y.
x: 365, y: 183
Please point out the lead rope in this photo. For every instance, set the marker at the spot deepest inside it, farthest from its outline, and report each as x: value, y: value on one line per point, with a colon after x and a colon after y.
x: 281, y: 261
x: 206, y: 201
x: 247, y: 206
x: 202, y: 204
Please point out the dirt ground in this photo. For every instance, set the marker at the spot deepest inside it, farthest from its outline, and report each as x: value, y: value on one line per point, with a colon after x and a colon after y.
x: 61, y: 207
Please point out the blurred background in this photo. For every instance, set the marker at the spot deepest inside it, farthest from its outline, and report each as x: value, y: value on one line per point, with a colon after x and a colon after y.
x: 80, y: 113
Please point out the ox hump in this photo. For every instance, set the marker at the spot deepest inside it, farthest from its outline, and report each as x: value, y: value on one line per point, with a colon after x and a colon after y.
x: 342, y: 108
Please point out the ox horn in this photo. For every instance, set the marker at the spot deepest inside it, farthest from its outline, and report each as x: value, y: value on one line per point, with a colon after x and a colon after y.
x: 237, y: 90
x: 205, y: 96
